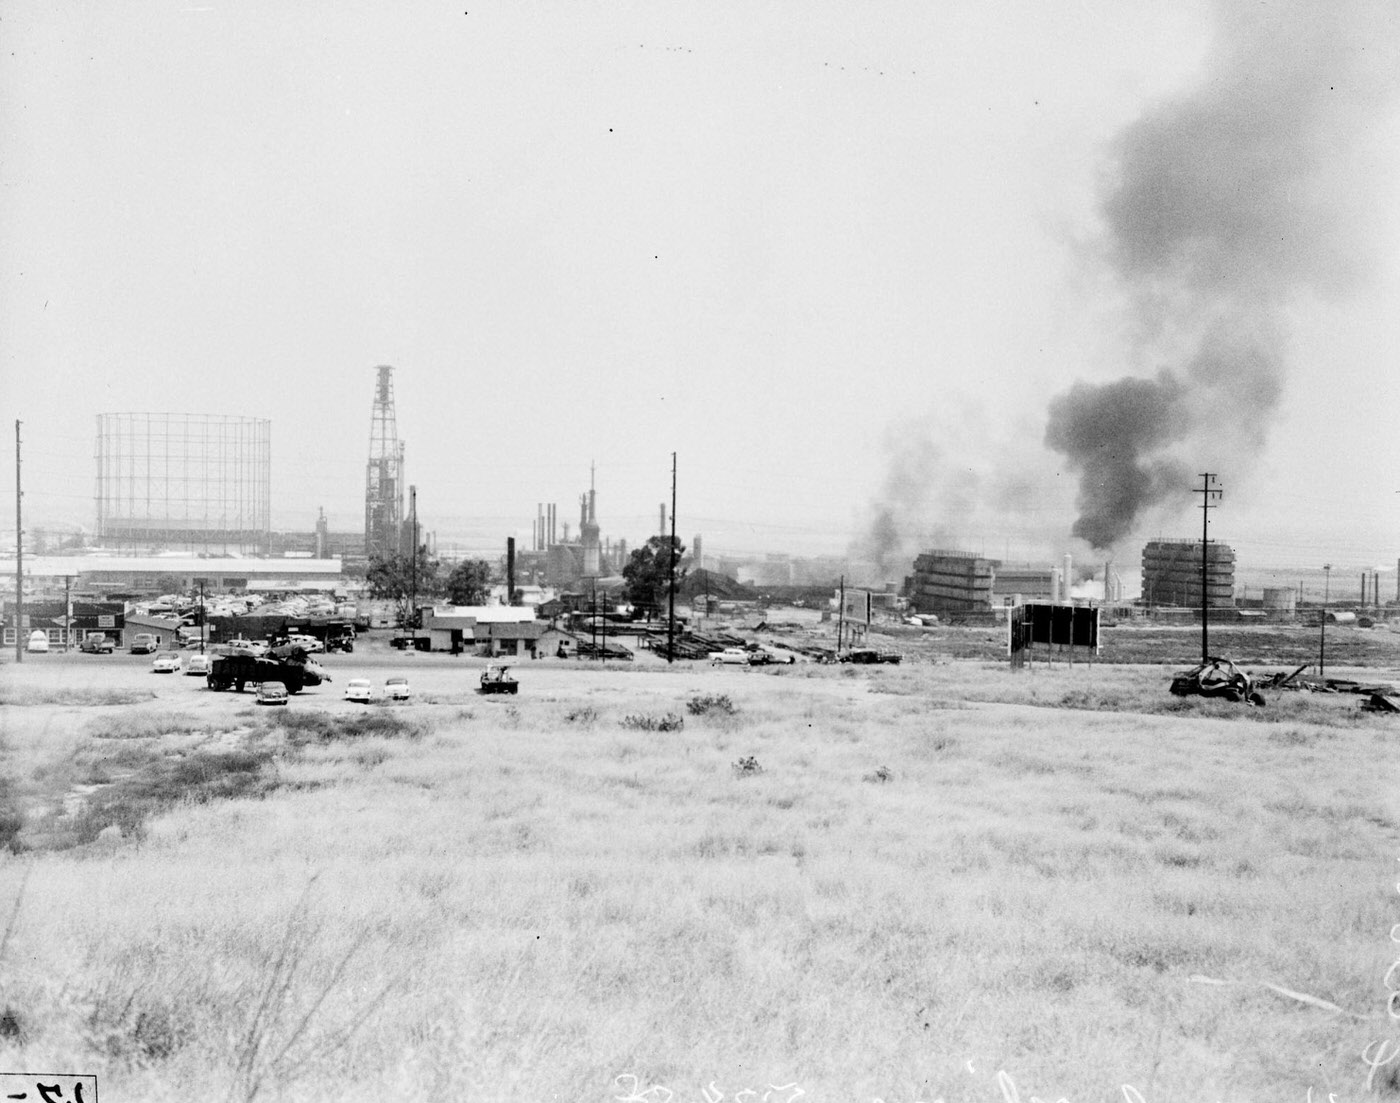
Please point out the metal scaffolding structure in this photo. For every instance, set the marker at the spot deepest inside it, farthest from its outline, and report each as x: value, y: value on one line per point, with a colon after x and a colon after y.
x: 197, y: 481
x: 384, y: 475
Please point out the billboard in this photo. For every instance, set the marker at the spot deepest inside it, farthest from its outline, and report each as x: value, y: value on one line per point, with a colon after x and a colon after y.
x: 855, y: 607
x: 1053, y: 626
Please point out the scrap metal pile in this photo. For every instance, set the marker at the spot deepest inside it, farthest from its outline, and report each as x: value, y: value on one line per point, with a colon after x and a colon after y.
x: 1216, y: 678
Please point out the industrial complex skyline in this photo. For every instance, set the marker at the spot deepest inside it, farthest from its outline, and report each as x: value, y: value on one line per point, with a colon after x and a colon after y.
x: 900, y: 277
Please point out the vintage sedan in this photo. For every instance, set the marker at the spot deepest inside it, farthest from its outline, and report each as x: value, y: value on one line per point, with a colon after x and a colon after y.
x: 359, y: 689
x: 167, y: 662
x: 272, y: 693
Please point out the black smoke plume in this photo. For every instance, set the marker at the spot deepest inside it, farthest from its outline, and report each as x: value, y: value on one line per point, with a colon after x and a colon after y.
x: 1227, y: 205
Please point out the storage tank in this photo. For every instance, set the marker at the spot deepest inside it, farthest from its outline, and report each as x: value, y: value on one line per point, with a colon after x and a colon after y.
x: 1280, y: 603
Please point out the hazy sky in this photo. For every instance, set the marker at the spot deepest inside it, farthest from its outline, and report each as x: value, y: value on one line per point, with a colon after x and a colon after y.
x: 835, y: 256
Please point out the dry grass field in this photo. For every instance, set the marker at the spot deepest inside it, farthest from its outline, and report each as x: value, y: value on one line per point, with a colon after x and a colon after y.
x: 892, y: 883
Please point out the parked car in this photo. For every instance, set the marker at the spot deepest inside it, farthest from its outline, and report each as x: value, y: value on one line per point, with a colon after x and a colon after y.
x: 396, y: 689
x: 38, y: 641
x: 247, y: 647
x: 272, y: 693
x: 199, y: 664
x: 775, y: 655
x: 97, y: 644
x: 143, y: 643
x: 310, y: 644
x: 167, y: 662
x: 736, y: 656
x: 359, y: 689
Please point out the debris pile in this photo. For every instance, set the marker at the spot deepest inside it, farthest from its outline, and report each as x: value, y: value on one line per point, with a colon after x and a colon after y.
x: 1216, y: 678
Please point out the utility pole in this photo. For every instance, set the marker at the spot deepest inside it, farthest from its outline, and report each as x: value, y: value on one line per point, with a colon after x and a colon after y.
x: 67, y: 611
x: 1322, y: 643
x: 671, y: 575
x: 413, y: 552
x: 19, y: 556
x: 840, y: 614
x: 203, y: 620
x: 1210, y: 494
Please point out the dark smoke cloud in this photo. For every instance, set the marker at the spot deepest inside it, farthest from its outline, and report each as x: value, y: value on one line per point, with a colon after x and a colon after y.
x: 1226, y: 205
x: 1110, y: 434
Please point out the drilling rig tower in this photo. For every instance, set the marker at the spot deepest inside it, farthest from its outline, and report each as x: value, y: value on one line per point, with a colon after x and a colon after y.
x: 384, y: 475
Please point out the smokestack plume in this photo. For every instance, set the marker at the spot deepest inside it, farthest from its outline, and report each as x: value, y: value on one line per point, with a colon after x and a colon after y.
x: 1229, y: 204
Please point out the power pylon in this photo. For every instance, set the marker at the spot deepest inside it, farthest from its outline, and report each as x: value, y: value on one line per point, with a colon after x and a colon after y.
x: 384, y: 474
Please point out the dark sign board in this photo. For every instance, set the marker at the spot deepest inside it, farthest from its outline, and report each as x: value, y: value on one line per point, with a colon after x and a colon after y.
x: 1054, y: 626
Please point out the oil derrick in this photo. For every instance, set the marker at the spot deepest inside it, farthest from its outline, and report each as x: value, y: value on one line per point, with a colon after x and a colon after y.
x: 384, y: 474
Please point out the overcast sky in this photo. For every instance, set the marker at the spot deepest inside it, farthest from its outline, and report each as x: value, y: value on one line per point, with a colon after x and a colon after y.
x: 837, y: 257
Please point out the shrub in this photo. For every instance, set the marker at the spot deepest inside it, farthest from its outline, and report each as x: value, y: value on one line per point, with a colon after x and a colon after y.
x: 881, y: 774
x: 747, y: 767
x: 670, y: 722
x: 711, y: 702
x: 587, y: 716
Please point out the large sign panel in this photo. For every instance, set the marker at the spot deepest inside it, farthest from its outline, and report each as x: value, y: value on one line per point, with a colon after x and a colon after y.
x: 1053, y: 626
x: 855, y: 607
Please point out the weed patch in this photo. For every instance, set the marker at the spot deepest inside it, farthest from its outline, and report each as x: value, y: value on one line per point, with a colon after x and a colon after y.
x: 705, y: 704
x: 141, y: 725
x: 303, y: 728
x: 641, y: 721
x: 585, y: 717
x: 747, y: 767
x: 32, y: 695
x: 196, y: 778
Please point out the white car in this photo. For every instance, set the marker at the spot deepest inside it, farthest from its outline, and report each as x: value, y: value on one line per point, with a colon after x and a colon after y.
x: 38, y: 641
x: 776, y: 655
x: 167, y: 662
x: 198, y: 664
x: 396, y: 689
x: 736, y: 656
x: 248, y: 647
x: 359, y: 689
x: 310, y: 644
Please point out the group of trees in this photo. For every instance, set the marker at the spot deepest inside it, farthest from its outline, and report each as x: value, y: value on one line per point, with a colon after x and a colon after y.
x: 648, y: 572
x: 399, y: 579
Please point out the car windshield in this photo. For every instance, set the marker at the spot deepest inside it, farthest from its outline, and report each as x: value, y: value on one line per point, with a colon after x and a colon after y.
x: 167, y: 655
x: 397, y: 682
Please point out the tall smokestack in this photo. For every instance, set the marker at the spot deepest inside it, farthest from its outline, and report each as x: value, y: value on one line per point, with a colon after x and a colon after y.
x: 510, y: 570
x: 661, y: 524
x: 1069, y: 577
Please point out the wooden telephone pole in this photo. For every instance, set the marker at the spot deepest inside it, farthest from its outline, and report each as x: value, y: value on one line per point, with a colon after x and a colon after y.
x: 1210, y: 493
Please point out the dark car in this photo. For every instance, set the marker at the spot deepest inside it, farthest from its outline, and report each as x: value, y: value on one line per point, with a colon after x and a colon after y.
x: 97, y: 645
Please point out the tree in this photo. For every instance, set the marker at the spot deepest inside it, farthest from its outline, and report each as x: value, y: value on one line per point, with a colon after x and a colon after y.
x: 469, y: 583
x: 647, y: 572
x: 392, y: 578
